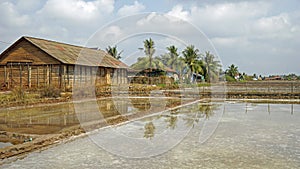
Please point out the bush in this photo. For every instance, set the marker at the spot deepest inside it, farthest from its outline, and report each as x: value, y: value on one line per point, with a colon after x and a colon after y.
x: 229, y: 78
x: 18, y: 94
x: 50, y: 92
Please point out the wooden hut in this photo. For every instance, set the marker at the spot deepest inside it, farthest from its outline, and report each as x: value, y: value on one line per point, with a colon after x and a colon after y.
x: 35, y: 63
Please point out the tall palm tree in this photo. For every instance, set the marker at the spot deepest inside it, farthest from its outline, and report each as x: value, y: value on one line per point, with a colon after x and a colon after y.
x: 149, y: 50
x: 211, y: 66
x: 173, y: 57
x: 143, y: 62
x: 114, y: 52
x: 232, y: 71
x: 191, y: 58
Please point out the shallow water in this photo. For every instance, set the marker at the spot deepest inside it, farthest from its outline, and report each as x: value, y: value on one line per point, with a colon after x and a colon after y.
x: 2, y: 144
x: 53, y: 118
x: 247, y: 136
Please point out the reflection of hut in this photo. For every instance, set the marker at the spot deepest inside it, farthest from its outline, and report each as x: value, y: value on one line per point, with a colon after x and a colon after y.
x: 32, y: 62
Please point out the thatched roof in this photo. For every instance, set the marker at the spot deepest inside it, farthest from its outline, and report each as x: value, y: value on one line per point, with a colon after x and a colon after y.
x: 71, y: 54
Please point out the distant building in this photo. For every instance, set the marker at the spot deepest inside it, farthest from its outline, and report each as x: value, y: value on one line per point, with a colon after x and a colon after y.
x: 34, y: 63
x: 274, y: 77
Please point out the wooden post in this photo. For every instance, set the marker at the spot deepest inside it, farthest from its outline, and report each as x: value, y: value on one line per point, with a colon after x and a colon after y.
x: 5, y: 75
x: 29, y: 75
x: 37, y: 77
x: 46, y: 75
x: 91, y: 74
x: 80, y: 74
x: 74, y: 74
x: 68, y: 75
x: 20, y: 75
x: 108, y: 78
x: 50, y: 75
x: 64, y: 76
x: 11, y: 76
x: 118, y: 76
x: 85, y: 74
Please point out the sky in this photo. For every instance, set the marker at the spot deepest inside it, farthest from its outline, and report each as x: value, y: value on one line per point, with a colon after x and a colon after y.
x: 258, y: 36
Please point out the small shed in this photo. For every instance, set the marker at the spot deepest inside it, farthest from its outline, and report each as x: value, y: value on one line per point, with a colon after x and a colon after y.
x: 34, y: 63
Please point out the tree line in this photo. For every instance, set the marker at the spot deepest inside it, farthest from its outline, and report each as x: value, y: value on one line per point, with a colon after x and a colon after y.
x: 189, y: 63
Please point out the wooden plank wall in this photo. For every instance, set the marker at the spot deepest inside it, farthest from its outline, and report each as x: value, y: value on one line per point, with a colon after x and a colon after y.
x: 60, y: 76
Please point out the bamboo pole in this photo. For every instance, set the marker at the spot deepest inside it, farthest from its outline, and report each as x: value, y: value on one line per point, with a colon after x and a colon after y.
x: 29, y: 75
x: 80, y: 75
x: 64, y: 76
x: 20, y: 75
x: 37, y: 77
x: 11, y: 76
x: 5, y: 75
x: 68, y: 75
x: 50, y: 75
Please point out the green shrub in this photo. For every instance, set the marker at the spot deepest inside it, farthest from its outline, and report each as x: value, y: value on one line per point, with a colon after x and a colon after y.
x: 50, y: 92
x: 229, y: 78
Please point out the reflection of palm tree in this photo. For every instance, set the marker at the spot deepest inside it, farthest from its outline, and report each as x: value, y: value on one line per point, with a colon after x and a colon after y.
x: 141, y: 104
x: 207, y: 110
x: 172, y: 120
x: 149, y: 130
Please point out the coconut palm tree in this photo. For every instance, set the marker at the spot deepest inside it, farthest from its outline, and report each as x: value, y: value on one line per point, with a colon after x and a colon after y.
x: 143, y: 62
x: 173, y: 57
x: 114, y: 52
x: 211, y: 66
x: 232, y: 71
x: 191, y: 58
x: 149, y: 50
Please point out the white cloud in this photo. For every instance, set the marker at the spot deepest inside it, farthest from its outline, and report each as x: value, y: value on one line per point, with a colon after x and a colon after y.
x: 10, y: 16
x: 178, y: 12
x: 273, y: 24
x: 228, y: 18
x: 131, y: 9
x: 78, y: 10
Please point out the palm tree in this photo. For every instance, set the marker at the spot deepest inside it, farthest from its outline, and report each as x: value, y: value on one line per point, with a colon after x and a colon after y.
x: 232, y: 71
x: 191, y: 58
x: 149, y: 50
x: 173, y: 57
x: 211, y: 66
x: 143, y: 62
x: 114, y: 52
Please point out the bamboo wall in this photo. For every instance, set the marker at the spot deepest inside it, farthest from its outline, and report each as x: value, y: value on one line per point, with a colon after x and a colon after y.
x: 27, y: 76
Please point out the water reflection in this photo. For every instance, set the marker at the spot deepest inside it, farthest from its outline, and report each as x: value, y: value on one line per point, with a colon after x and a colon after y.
x: 53, y: 118
x: 149, y: 130
x: 252, y: 140
x: 187, y: 117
